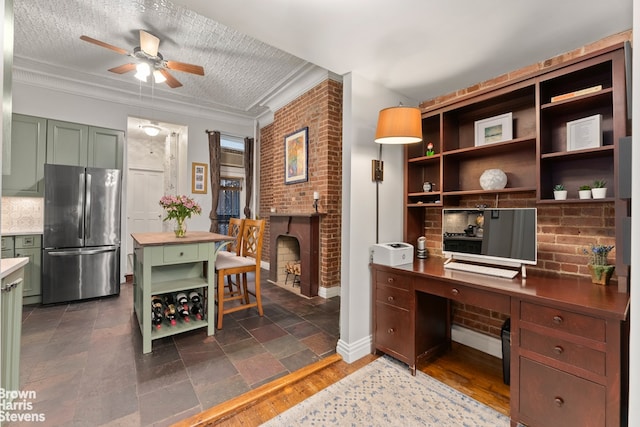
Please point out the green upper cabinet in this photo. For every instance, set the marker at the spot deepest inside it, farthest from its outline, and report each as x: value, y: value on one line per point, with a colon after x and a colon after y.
x: 67, y: 143
x: 23, y: 172
x: 81, y: 145
x: 106, y: 148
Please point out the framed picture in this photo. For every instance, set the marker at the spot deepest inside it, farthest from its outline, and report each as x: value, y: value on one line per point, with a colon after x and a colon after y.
x: 199, y: 178
x: 494, y: 129
x: 584, y: 133
x: 296, y: 159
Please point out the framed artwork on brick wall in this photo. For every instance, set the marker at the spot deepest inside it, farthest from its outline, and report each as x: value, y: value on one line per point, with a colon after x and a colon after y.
x: 296, y: 159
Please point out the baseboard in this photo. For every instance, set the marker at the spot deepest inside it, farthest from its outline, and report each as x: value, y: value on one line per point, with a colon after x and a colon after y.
x: 351, y: 352
x: 481, y: 342
x: 329, y: 292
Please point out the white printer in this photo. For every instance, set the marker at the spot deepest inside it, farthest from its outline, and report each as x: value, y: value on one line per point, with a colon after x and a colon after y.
x: 392, y: 254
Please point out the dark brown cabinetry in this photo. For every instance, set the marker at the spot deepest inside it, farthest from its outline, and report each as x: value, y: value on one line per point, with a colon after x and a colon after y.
x: 568, y: 360
x: 537, y: 157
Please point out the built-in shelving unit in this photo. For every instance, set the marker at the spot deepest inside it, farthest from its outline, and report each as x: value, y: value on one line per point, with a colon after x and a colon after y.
x: 537, y: 156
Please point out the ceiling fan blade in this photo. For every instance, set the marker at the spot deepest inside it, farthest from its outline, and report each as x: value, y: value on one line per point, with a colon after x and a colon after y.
x: 171, y: 81
x: 149, y: 43
x: 187, y: 68
x: 103, y: 44
x: 121, y: 69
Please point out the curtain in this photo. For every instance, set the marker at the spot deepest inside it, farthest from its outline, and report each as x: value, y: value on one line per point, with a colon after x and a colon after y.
x: 248, y: 171
x: 214, y: 173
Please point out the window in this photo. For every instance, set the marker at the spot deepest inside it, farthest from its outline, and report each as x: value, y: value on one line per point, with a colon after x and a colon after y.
x: 228, y: 202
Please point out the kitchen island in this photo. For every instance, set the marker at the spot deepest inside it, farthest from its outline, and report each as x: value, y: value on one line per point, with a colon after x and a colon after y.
x: 164, y: 265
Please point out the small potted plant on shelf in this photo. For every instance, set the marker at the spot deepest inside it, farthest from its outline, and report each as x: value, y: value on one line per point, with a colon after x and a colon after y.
x: 559, y: 192
x: 430, y: 151
x: 599, y: 267
x: 599, y: 189
x: 584, y: 192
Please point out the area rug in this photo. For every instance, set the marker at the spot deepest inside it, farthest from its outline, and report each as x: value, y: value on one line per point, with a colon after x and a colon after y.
x: 384, y: 393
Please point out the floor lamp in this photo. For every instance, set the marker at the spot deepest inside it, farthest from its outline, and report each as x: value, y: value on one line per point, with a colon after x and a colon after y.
x: 396, y: 125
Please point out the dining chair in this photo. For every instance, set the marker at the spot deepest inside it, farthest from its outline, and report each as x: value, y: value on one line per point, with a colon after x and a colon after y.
x: 247, y: 261
x: 233, y: 249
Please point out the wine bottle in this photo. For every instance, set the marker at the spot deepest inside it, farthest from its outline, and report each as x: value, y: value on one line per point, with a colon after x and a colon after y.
x: 183, y: 306
x: 156, y: 311
x: 170, y: 309
x: 196, y: 305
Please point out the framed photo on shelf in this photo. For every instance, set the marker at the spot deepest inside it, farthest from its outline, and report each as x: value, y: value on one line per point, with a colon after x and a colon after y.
x: 199, y: 178
x: 584, y: 133
x: 494, y: 129
x: 296, y: 159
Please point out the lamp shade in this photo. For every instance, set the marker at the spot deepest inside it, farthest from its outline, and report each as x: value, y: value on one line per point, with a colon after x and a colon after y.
x: 399, y: 125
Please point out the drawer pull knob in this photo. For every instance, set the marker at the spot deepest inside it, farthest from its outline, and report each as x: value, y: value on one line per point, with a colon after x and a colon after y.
x: 181, y: 253
x: 557, y: 320
x: 390, y: 280
x: 390, y: 299
x: 559, y: 402
x: 391, y: 331
x: 455, y: 291
x: 558, y: 350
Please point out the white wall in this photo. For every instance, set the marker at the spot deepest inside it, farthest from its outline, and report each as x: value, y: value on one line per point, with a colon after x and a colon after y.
x: 362, y: 100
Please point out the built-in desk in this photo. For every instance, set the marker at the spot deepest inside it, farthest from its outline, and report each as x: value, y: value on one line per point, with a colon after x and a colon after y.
x: 569, y: 337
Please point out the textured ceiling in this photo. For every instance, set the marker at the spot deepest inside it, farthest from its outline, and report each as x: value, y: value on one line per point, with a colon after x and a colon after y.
x: 418, y: 48
x: 240, y: 71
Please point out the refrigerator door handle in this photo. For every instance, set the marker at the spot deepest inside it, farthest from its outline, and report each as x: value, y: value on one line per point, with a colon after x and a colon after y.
x: 81, y: 193
x: 83, y: 251
x: 87, y: 209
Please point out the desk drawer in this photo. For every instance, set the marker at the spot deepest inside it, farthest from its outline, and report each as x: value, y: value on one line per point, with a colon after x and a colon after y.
x: 562, y: 320
x: 393, y: 296
x: 393, y: 279
x: 553, y: 398
x: 564, y: 351
x: 180, y: 253
x: 393, y: 329
x: 468, y: 295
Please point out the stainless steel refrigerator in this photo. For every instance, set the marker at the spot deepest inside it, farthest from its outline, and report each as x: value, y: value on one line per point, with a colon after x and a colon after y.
x: 81, y: 241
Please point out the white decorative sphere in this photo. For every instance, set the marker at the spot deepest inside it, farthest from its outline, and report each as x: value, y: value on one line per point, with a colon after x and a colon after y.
x: 493, y: 179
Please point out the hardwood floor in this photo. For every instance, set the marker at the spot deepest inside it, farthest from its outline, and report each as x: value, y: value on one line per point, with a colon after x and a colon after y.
x: 468, y: 370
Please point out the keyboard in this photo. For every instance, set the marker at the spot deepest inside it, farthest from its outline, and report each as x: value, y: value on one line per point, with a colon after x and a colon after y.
x: 482, y: 269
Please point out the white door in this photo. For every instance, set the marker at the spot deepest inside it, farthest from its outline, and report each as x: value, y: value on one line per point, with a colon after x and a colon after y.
x: 144, y: 213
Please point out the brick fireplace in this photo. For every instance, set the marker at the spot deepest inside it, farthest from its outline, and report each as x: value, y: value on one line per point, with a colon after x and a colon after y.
x: 305, y: 229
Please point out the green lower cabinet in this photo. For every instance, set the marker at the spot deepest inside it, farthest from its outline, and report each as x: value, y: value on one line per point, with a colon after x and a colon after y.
x: 10, y: 329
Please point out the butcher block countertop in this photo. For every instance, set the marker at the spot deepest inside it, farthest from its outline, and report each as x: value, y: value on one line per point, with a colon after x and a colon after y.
x: 169, y: 238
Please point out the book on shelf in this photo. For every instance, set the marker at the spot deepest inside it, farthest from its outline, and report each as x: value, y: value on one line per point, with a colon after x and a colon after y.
x: 573, y: 94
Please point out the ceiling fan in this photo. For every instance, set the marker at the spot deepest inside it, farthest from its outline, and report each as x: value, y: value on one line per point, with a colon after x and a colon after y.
x: 149, y: 61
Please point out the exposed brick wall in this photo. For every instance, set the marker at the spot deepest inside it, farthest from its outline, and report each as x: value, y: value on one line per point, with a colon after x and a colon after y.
x: 563, y: 229
x: 320, y: 110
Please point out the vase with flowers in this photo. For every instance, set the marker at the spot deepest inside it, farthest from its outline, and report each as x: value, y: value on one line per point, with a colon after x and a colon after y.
x: 601, y: 270
x: 180, y: 208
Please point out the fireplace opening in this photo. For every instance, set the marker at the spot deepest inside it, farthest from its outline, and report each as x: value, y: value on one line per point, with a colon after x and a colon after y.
x: 288, y: 263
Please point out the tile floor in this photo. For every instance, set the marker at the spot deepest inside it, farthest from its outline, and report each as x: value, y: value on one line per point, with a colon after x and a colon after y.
x: 84, y: 360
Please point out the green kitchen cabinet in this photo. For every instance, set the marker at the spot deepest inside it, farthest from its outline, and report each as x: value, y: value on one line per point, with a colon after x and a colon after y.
x: 30, y: 246
x: 81, y: 145
x: 23, y: 170
x: 11, y: 326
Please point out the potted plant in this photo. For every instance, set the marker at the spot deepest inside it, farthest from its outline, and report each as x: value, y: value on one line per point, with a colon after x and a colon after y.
x: 559, y: 192
x: 180, y: 208
x: 599, y: 189
x: 599, y: 267
x: 584, y: 192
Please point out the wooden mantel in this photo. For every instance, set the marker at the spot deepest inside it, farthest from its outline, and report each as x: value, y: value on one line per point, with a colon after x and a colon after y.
x: 306, y: 229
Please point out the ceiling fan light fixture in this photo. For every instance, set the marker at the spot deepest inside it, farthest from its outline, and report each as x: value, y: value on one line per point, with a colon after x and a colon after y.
x: 150, y: 130
x: 159, y: 77
x: 142, y: 71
